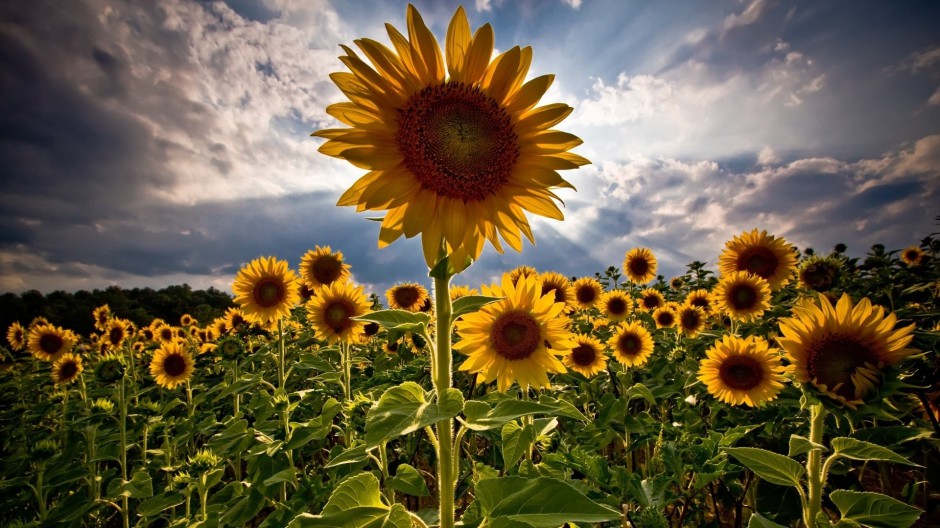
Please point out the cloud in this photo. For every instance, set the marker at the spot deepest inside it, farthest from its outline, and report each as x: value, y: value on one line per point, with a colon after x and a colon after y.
x: 750, y: 15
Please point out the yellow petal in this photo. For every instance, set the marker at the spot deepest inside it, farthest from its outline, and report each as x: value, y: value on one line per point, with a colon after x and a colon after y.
x: 477, y: 59
x: 543, y: 117
x: 500, y: 74
x: 424, y: 48
x: 457, y: 43
x: 529, y: 94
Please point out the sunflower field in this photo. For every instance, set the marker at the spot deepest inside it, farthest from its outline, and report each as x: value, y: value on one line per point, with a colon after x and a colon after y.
x: 781, y: 388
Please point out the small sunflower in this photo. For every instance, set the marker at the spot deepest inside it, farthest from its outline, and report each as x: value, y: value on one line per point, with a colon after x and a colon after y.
x: 110, y: 368
x: 676, y: 283
x: 772, y: 258
x: 48, y: 342
x: 522, y: 271
x: 456, y: 149
x: 187, y: 320
x: 409, y: 296
x: 665, y: 316
x: 236, y: 319
x: 391, y: 347
x: 116, y: 331
x: 701, y: 298
x: 912, y: 256
x: 819, y: 274
x: 587, y: 356
x: 220, y: 326
x: 266, y: 289
x: 172, y: 365
x: 145, y: 335
x: 230, y: 347
x: 517, y: 338
x: 639, y: 265
x: 742, y: 295
x: 843, y: 350
x: 165, y: 333
x: 457, y: 292
x: 66, y: 369
x: 587, y: 291
x: 321, y: 266
x: 101, y: 315
x: 616, y: 305
x: 332, y: 309
x: 742, y: 371
x: 650, y: 300
x: 690, y: 320
x: 560, y: 286
x: 16, y: 336
x: 632, y: 344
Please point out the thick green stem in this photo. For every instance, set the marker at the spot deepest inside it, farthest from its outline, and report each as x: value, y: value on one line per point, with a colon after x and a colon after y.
x: 62, y: 428
x: 814, y: 468
x: 236, y: 406
x: 122, y: 426
x: 443, y: 366
x: 40, y: 494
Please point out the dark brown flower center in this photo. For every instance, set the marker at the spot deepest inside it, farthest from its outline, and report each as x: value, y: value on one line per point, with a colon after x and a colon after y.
x: 337, y: 315
x: 370, y: 329
x: 741, y: 372
x: 68, y: 370
x: 617, y: 306
x: 174, y: 365
x: 237, y: 320
x: 742, y: 296
x: 515, y: 335
x: 834, y: 359
x: 638, y: 266
x: 586, y: 294
x: 690, y: 319
x: 457, y: 141
x: 166, y: 334
x: 651, y: 301
x: 759, y: 260
x: 406, y: 296
x: 115, y: 336
x: 269, y: 292
x: 326, y: 269
x: 51, y: 343
x: 629, y: 344
x: 665, y: 318
x: 583, y: 355
x: 818, y: 276
x: 556, y: 290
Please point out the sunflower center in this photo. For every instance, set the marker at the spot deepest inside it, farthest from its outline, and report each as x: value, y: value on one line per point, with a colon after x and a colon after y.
x: 701, y: 302
x: 583, y: 355
x: 515, y: 335
x: 67, y: 370
x: 741, y: 372
x: 665, y: 318
x: 911, y: 255
x: 617, y: 306
x: 819, y: 276
x: 690, y: 319
x: 457, y: 141
x: 337, y: 315
x: 50, y: 343
x: 269, y: 292
x: 115, y: 336
x: 586, y: 295
x: 174, y: 365
x: 326, y: 269
x: 833, y: 361
x: 638, y: 266
x: 742, y: 297
x: 650, y: 301
x: 629, y: 344
x: 760, y: 261
x: 406, y: 296
x: 558, y: 292
x: 166, y: 334
x: 237, y: 320
x: 370, y: 329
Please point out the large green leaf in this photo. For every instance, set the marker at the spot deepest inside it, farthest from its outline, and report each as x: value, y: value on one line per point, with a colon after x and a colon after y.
x: 140, y: 486
x: 541, y: 502
x: 409, y: 481
x: 315, y: 429
x: 801, y: 444
x: 244, y: 508
x: 401, y: 320
x: 357, y: 503
x: 874, y: 510
x: 638, y: 390
x: 353, y: 455
x: 158, y: 504
x: 860, y: 450
x: 403, y: 409
x: 768, y: 465
x: 758, y: 521
x: 479, y: 416
x: 893, y: 435
x: 516, y: 441
x: 471, y: 303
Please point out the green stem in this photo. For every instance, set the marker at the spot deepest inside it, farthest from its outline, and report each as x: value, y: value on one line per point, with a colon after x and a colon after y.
x: 281, y: 353
x: 236, y: 406
x: 143, y: 448
x: 40, y: 495
x: 203, y: 496
x: 383, y: 462
x: 122, y: 425
x: 62, y: 429
x: 446, y: 459
x: 814, y: 467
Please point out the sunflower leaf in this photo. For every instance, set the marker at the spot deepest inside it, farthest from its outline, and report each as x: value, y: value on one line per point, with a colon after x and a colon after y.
x: 471, y: 303
x: 479, y: 416
x: 516, y: 440
x: 874, y: 510
x: 409, y: 481
x: 357, y: 503
x: 404, y: 409
x: 770, y: 466
x: 759, y: 521
x: 540, y: 502
x: 400, y: 320
x: 860, y: 450
x: 801, y: 444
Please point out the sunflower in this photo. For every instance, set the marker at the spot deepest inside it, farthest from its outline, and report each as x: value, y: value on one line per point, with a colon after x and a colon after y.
x: 843, y: 350
x: 16, y: 336
x: 116, y: 331
x: 742, y: 295
x: 321, y: 266
x: 742, y: 371
x: 912, y: 256
x: 522, y: 271
x: 819, y: 274
x: 48, y: 342
x: 772, y: 258
x: 165, y: 333
x: 676, y: 282
x: 632, y: 344
x: 616, y: 305
x: 701, y: 298
x: 332, y: 311
x: 640, y: 265
x: 516, y: 338
x: 391, y: 347
x: 172, y: 365
x: 690, y: 320
x: 145, y: 335
x: 456, y: 152
x: 409, y: 296
x: 457, y: 292
x: 560, y: 286
x: 587, y: 356
x: 665, y: 316
x: 650, y: 299
x: 266, y: 289
x: 101, y: 315
x: 66, y: 369
x: 587, y: 291
x: 187, y: 320
x: 221, y: 326
x: 236, y: 319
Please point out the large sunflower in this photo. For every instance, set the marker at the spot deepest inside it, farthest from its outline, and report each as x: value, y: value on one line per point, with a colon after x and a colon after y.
x: 266, y: 289
x: 560, y: 287
x: 16, y: 336
x: 456, y: 151
x: 640, y: 265
x: 49, y: 342
x: 67, y: 368
x: 742, y: 371
x: 742, y: 295
x: 842, y: 350
x: 321, y: 266
x: 332, y: 309
x: 616, y: 305
x: 409, y: 296
x: 587, y: 291
x: 517, y: 338
x: 632, y: 344
x: 587, y: 356
x: 772, y: 258
x: 172, y: 365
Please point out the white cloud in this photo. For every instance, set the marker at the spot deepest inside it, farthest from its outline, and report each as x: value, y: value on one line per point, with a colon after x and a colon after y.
x: 750, y: 15
x: 483, y: 5
x: 573, y: 3
x: 627, y: 101
x: 935, y: 98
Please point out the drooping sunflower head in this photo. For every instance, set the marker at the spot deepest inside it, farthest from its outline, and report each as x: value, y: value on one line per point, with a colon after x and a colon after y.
x: 409, y: 296
x: 665, y: 316
x: 819, y: 274
x: 266, y: 289
x: 587, y: 292
x: 332, y: 309
x: 632, y: 344
x: 690, y: 320
x: 639, y: 265
x: 101, y: 315
x: 110, y: 368
x: 230, y: 347
x: 650, y: 299
x: 742, y: 295
x: 771, y: 258
x: 843, y: 350
x: 456, y: 149
x: 172, y: 365
x: 16, y: 336
x: 48, y: 342
x: 616, y: 305
x: 912, y: 256
x: 66, y: 369
x: 457, y: 292
x: 322, y: 266
x: 742, y: 371
x: 558, y: 285
x: 701, y: 298
x: 517, y: 338
x: 587, y: 356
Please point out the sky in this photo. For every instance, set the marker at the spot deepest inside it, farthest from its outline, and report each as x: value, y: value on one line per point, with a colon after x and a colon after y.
x: 144, y: 144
